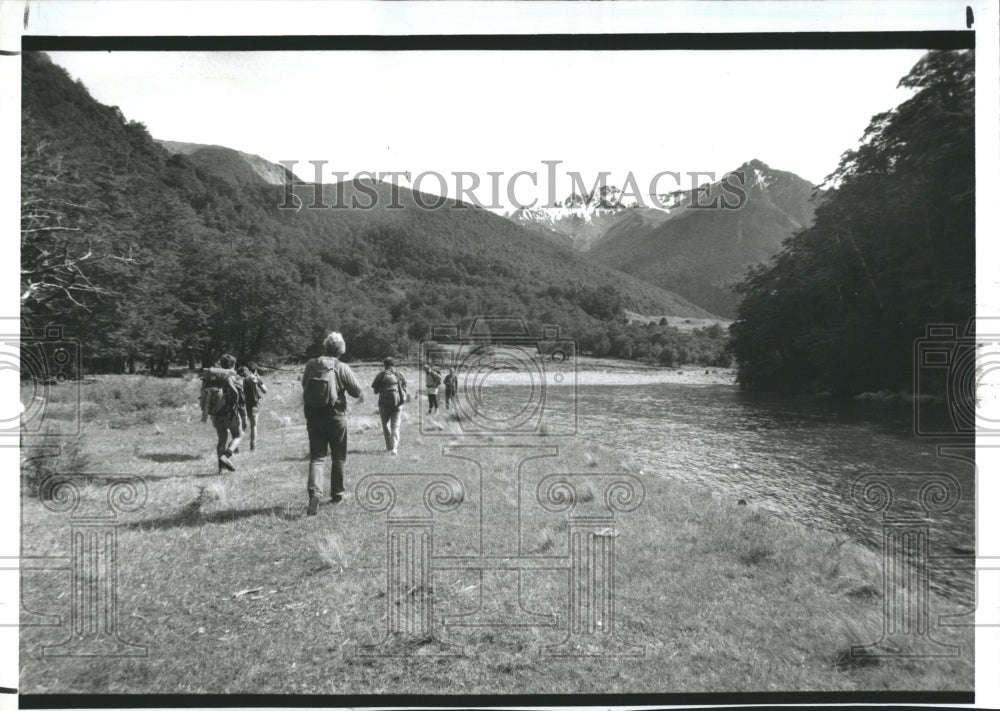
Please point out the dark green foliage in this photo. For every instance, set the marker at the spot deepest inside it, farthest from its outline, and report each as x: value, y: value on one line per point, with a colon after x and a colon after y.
x: 657, y: 344
x: 191, y: 256
x: 892, y: 250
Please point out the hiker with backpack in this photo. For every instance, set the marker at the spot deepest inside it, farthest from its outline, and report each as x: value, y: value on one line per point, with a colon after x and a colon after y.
x: 450, y: 387
x: 222, y: 399
x: 432, y: 383
x: 390, y: 386
x: 254, y: 391
x: 325, y: 381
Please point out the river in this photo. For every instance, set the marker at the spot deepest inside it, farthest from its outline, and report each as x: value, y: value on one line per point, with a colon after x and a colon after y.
x: 797, y: 457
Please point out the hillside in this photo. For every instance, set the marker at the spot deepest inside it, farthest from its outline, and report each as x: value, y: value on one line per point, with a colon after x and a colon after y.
x: 180, y: 257
x: 702, y: 253
x: 226, y: 162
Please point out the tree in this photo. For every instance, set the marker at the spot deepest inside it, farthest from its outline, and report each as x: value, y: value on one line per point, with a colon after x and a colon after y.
x: 892, y: 250
x: 61, y: 247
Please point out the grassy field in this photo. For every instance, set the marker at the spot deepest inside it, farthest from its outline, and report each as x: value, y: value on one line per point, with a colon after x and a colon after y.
x: 232, y: 588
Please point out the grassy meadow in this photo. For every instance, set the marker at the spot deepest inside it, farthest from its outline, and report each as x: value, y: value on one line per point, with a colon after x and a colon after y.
x: 232, y: 588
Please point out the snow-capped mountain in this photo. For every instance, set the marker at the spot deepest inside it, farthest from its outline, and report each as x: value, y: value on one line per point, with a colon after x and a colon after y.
x: 580, y: 221
x: 701, y: 253
x: 675, y: 242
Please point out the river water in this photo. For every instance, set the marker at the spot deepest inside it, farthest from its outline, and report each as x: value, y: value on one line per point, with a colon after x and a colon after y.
x: 797, y: 457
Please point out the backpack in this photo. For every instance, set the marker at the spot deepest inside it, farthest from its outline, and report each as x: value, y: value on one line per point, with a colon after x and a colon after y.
x: 212, y: 402
x: 319, y: 392
x: 390, y: 394
x: 251, y: 390
x: 224, y: 397
x: 232, y: 392
x: 433, y: 379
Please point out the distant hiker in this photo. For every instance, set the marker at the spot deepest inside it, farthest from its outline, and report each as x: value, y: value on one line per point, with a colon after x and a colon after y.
x: 223, y: 400
x: 390, y: 386
x: 254, y: 391
x: 450, y: 387
x: 324, y: 383
x: 433, y: 382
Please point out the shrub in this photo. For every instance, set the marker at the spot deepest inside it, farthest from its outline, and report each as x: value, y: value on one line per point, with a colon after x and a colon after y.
x: 122, y: 394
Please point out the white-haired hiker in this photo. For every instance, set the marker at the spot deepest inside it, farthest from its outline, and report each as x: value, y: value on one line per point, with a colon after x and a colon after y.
x: 324, y: 383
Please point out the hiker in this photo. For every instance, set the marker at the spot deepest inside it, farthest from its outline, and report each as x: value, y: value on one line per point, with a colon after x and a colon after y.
x: 450, y: 387
x: 254, y: 391
x: 390, y: 387
x: 432, y: 383
x: 222, y: 399
x: 324, y: 383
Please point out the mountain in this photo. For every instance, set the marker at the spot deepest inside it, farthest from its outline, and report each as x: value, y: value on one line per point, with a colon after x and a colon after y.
x: 228, y: 163
x: 581, y: 220
x: 701, y: 253
x: 147, y: 253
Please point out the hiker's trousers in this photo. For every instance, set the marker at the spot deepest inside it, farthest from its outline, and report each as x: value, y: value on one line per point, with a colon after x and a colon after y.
x: 327, y: 432
x: 390, y: 426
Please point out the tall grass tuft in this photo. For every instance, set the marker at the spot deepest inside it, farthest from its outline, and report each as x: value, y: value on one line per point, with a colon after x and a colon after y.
x: 214, y: 493
x: 68, y: 456
x: 329, y: 547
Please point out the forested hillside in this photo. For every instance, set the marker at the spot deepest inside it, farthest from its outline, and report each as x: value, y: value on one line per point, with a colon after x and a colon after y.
x: 152, y: 257
x: 892, y: 250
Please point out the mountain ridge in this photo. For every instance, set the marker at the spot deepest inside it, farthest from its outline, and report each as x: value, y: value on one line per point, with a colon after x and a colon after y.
x: 185, y: 256
x: 212, y: 156
x: 702, y: 253
x: 683, y: 247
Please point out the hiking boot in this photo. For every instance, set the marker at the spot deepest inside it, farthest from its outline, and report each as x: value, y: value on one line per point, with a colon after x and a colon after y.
x: 253, y: 446
x: 313, y: 505
x: 393, y: 453
x: 226, y: 462
x: 338, y: 497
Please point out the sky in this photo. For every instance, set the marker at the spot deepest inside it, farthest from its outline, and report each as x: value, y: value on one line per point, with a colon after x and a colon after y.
x: 642, y: 112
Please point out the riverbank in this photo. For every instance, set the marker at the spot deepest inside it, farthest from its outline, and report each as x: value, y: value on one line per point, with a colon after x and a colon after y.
x: 233, y: 589
x: 589, y: 371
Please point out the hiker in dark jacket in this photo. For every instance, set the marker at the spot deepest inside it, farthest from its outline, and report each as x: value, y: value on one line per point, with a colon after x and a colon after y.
x: 450, y: 387
x: 390, y: 387
x: 254, y: 391
x: 229, y: 420
x: 326, y: 417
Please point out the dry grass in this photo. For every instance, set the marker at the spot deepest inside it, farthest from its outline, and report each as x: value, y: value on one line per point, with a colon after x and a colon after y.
x: 233, y: 589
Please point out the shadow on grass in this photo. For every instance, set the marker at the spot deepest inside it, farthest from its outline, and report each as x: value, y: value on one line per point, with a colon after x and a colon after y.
x: 305, y: 457
x: 166, y: 457
x: 189, y: 517
x: 200, y: 475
